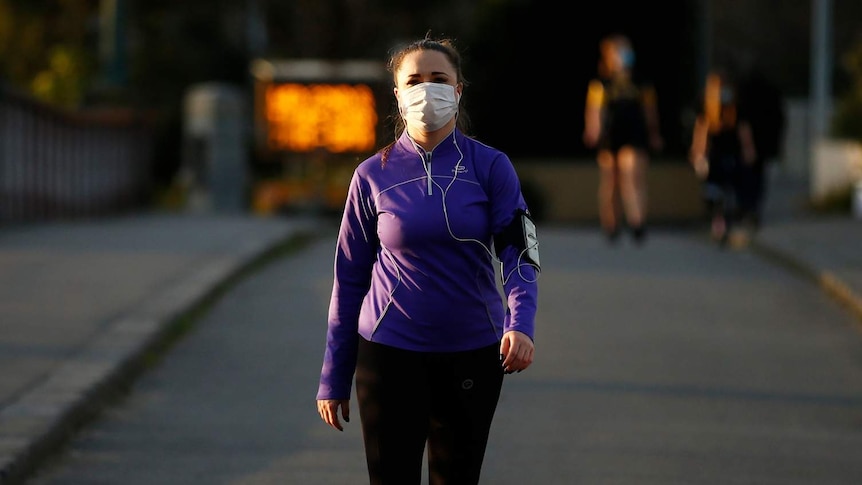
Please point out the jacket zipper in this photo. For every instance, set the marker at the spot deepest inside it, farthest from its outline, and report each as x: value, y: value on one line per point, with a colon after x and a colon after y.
x: 428, y: 169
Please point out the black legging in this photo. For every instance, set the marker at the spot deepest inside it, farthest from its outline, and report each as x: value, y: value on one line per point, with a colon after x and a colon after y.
x: 752, y: 189
x: 407, y: 398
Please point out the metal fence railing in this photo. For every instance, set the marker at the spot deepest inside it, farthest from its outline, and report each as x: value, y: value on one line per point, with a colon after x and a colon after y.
x: 59, y: 165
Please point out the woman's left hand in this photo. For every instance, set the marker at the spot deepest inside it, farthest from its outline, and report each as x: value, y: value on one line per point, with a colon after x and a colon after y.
x: 517, y: 351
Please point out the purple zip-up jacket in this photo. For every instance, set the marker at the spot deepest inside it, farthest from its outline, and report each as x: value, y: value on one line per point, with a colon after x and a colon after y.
x: 413, y: 260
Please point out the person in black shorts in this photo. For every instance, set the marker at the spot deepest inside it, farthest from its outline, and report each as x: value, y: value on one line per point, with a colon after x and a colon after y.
x: 622, y: 123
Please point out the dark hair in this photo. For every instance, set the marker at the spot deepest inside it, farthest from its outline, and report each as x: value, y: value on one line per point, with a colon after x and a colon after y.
x: 396, y: 57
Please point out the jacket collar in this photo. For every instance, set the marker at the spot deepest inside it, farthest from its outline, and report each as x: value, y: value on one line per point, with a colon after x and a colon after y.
x: 443, y: 149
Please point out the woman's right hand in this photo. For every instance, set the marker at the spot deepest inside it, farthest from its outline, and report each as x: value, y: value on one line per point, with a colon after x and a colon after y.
x: 328, y: 411
x: 701, y: 165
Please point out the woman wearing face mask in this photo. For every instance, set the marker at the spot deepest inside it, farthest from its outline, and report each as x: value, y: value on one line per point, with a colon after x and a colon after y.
x: 621, y: 121
x: 722, y: 146
x: 416, y: 312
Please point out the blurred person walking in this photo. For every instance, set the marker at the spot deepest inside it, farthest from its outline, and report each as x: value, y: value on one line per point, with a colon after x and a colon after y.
x: 721, y: 146
x: 415, y: 312
x: 621, y: 121
x: 761, y: 104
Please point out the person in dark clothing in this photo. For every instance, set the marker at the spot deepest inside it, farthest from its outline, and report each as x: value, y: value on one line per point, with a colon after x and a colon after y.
x: 621, y: 122
x: 761, y: 104
x: 722, y: 149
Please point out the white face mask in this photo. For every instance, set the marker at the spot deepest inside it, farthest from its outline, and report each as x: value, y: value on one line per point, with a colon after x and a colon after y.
x: 428, y: 106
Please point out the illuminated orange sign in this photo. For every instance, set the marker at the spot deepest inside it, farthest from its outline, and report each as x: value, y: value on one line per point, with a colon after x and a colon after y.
x: 335, y: 117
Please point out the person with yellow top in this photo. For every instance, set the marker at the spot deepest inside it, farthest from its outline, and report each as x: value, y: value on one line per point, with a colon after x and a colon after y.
x: 621, y: 122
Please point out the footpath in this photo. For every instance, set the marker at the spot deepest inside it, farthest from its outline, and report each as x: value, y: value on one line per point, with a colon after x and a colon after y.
x: 83, y: 304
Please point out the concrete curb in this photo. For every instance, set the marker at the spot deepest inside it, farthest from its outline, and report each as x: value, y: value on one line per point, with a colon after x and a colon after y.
x: 43, y: 419
x: 829, y: 282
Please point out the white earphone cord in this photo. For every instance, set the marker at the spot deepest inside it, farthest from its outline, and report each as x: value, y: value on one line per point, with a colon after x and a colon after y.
x: 504, y: 277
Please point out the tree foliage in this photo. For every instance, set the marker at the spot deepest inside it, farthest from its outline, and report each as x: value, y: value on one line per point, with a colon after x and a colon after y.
x: 847, y: 120
x: 47, y: 48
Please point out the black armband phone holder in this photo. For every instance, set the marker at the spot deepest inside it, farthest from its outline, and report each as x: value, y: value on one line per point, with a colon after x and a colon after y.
x: 520, y: 233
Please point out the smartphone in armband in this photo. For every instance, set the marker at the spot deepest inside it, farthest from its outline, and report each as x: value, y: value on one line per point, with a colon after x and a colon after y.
x: 520, y: 233
x: 531, y: 239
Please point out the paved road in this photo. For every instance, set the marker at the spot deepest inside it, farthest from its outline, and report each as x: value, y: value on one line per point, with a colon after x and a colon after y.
x: 675, y: 363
